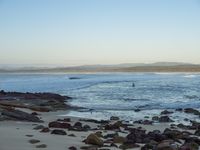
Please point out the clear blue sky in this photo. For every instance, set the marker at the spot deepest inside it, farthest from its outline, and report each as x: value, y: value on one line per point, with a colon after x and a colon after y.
x: 75, y: 32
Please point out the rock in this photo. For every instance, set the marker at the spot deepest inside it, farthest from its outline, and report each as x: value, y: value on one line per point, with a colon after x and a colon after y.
x: 165, y: 119
x: 137, y: 136
x: 29, y: 135
x: 191, y: 111
x: 119, y: 139
x: 59, y: 132
x: 167, y: 145
x: 189, y: 146
x: 113, y: 145
x: 197, y: 132
x: 39, y: 127
x: 64, y: 120
x: 137, y: 110
x: 41, y: 146
x: 86, y: 127
x: 179, y: 109
x: 78, y: 124
x: 144, y: 122
x: 45, y: 130
x: 111, y: 135
x: 72, y: 148
x: 99, y: 134
x: 151, y: 145
x: 20, y: 115
x: 156, y: 136
x: 34, y: 113
x: 114, y: 118
x: 155, y: 118
x: 34, y: 141
x: 72, y: 135
x: 94, y: 140
x: 56, y: 124
x: 89, y: 147
x: 172, y: 134
x: 113, y: 126
x: 166, y: 112
x: 128, y: 146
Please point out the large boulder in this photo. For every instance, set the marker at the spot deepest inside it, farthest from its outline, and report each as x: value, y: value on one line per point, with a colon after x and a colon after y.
x: 94, y: 140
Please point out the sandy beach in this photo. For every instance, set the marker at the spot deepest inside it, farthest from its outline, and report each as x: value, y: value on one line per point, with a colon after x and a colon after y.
x: 15, y: 134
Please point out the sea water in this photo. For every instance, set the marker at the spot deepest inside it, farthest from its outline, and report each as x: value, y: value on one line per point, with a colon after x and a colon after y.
x: 107, y: 94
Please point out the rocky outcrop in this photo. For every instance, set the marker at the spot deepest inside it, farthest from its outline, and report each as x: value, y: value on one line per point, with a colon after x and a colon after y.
x: 14, y: 114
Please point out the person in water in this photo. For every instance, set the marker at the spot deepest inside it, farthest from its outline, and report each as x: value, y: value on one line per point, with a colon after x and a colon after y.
x: 133, y: 85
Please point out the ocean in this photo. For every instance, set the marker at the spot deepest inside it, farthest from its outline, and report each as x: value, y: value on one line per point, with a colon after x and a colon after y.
x: 115, y: 94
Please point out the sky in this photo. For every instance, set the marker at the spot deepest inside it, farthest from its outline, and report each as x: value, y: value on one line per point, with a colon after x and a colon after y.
x: 80, y: 32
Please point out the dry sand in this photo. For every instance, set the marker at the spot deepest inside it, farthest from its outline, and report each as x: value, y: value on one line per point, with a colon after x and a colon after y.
x: 13, y: 134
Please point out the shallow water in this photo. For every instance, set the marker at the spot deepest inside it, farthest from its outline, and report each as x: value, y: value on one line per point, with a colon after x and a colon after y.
x: 113, y: 94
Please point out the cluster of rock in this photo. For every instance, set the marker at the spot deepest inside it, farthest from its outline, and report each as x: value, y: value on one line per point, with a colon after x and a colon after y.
x: 118, y: 134
x: 11, y: 102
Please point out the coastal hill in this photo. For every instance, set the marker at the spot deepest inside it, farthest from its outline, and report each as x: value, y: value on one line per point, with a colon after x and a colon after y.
x: 126, y: 67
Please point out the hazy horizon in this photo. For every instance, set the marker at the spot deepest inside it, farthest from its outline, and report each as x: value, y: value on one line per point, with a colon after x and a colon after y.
x: 73, y: 33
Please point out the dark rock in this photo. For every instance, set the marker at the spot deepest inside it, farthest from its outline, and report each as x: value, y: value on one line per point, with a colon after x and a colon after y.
x: 156, y: 136
x: 155, y: 118
x: 78, y: 124
x: 28, y: 135
x: 34, y: 141
x: 166, y: 112
x: 39, y: 127
x: 179, y: 109
x: 197, y: 132
x: 189, y: 146
x: 89, y: 147
x: 144, y: 122
x: 111, y: 135
x: 173, y: 134
x: 114, y: 118
x: 191, y: 111
x: 137, y: 136
x: 34, y: 113
x: 59, y: 132
x: 41, y: 146
x: 137, y: 110
x: 95, y: 121
x: 45, y: 130
x: 119, y: 139
x: 86, y: 127
x: 167, y: 145
x: 165, y: 119
x: 113, y: 145
x: 56, y: 124
x: 151, y: 145
x: 72, y: 148
x: 72, y: 135
x: 94, y: 140
x: 20, y: 115
x: 128, y: 146
x: 113, y: 126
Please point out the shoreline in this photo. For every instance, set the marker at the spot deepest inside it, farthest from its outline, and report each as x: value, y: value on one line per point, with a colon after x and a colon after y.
x: 24, y: 128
